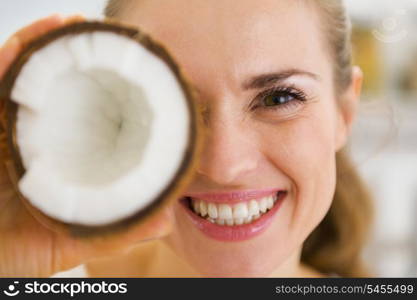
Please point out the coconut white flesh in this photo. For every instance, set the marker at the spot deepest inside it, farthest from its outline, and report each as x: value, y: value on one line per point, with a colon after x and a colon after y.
x: 102, y: 127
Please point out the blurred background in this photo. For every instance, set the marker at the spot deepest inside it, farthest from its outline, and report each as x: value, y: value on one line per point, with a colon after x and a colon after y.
x: 384, y: 142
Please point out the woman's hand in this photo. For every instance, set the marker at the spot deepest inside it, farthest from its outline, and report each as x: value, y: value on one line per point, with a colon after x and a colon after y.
x: 28, y: 248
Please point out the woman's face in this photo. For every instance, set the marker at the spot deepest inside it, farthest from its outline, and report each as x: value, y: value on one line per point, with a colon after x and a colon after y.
x: 263, y: 72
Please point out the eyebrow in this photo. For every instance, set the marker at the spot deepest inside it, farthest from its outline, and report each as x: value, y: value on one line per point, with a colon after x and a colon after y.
x: 264, y: 80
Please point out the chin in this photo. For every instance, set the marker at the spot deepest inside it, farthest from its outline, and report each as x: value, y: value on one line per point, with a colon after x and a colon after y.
x: 230, y: 266
x: 257, y: 258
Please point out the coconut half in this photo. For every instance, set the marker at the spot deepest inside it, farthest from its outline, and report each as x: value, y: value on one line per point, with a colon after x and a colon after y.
x: 101, y: 126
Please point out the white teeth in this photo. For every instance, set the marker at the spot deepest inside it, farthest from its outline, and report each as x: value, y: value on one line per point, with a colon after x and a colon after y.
x: 240, y: 211
x: 253, y: 207
x: 203, y: 208
x: 263, y: 205
x: 212, y: 210
x: 269, y: 202
x: 239, y: 221
x: 196, y: 206
x: 238, y: 214
x: 248, y: 220
x: 225, y: 211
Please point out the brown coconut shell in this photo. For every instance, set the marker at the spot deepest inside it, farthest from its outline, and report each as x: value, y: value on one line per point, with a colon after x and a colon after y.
x: 11, y: 157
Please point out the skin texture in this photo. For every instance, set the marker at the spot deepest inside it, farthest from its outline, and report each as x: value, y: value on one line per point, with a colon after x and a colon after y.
x: 221, y: 47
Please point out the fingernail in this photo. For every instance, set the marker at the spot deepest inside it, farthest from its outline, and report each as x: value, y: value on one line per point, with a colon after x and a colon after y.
x: 56, y: 16
x: 75, y: 18
x: 11, y: 42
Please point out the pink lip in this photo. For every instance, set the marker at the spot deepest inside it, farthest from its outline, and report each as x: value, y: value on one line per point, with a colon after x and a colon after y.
x: 233, y: 196
x: 238, y: 232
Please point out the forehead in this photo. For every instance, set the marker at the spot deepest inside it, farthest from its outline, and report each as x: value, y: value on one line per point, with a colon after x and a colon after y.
x: 232, y: 37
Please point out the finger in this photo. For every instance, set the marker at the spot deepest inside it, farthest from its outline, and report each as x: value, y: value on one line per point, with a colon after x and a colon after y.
x: 8, y: 53
x: 27, y: 33
x: 74, y: 19
x: 154, y: 228
x: 13, y: 46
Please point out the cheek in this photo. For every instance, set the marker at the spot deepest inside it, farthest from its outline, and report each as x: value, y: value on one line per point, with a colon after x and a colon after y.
x: 303, y: 150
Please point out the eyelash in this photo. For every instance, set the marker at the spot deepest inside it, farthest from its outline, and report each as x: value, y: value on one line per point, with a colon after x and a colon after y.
x: 297, y: 98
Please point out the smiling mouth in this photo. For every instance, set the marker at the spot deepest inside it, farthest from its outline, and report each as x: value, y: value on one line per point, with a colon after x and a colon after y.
x: 240, y: 213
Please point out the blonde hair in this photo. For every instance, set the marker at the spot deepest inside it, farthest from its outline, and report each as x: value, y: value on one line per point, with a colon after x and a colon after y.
x: 114, y: 8
x: 336, y: 244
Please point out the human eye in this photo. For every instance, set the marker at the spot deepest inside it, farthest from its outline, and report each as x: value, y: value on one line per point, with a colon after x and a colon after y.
x: 284, y: 99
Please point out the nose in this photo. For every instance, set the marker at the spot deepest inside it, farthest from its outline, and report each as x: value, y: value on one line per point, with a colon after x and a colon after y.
x: 229, y: 156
